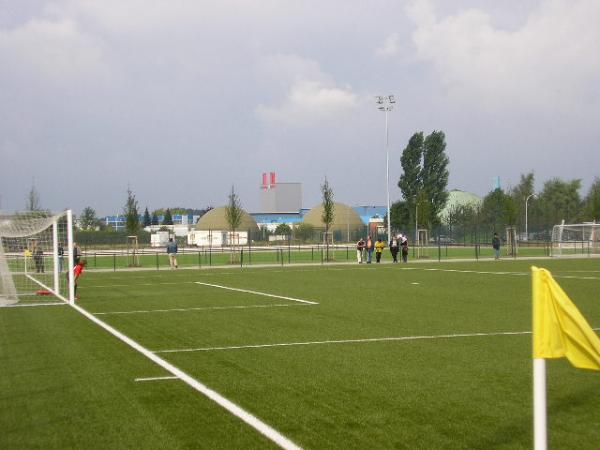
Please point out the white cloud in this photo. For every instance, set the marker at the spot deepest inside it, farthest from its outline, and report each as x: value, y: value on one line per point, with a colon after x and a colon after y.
x: 549, y: 61
x: 311, y: 96
x: 309, y: 102
x: 57, y: 51
x: 390, y: 46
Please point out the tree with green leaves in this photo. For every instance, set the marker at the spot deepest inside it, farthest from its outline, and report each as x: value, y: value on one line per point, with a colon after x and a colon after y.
x: 494, y: 211
x: 435, y: 176
x: 328, y: 213
x: 400, y: 216
x: 283, y: 229
x: 147, y: 221
x: 304, y: 232
x: 519, y: 194
x: 88, y: 220
x: 411, y: 180
x: 425, y: 177
x: 155, y: 220
x: 168, y: 218
x: 233, y: 211
x: 558, y: 201
x: 132, y: 216
x: 591, y: 209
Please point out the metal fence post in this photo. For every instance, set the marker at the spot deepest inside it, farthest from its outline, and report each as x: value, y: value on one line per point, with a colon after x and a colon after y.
x: 157, y: 261
x: 114, y: 262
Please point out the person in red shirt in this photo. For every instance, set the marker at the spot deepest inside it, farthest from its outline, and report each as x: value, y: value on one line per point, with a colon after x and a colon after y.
x: 77, y: 270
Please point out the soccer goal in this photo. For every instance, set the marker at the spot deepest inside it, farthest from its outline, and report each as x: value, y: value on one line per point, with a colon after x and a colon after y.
x: 35, y: 257
x: 576, y: 239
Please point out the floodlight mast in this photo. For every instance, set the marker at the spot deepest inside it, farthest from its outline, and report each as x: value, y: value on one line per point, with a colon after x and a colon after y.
x: 527, y: 200
x: 386, y: 104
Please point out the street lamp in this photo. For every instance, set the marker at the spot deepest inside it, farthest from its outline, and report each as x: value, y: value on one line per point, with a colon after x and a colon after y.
x: 526, y: 200
x: 386, y: 104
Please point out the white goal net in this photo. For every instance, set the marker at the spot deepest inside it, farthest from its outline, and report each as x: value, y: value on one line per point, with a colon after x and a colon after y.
x: 35, y: 256
x: 576, y: 239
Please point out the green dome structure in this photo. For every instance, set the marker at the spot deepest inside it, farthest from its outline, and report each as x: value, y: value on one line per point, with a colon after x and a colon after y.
x: 216, y: 219
x: 456, y: 198
x: 345, y: 219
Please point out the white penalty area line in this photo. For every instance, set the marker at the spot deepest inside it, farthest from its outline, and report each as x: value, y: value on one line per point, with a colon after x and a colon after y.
x: 264, y: 294
x: 260, y: 426
x: 348, y: 341
x: 205, y: 308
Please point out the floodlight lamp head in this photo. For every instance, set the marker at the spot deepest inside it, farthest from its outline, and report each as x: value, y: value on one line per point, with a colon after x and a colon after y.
x: 392, y: 99
x: 379, y: 99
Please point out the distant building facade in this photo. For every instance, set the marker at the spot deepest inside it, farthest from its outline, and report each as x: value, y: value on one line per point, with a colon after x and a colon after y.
x: 279, y: 197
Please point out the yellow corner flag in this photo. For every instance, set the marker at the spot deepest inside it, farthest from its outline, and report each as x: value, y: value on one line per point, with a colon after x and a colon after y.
x: 559, y: 329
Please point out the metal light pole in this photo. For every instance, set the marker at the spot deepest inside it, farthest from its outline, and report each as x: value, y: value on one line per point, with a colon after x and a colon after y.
x: 386, y: 104
x: 526, y: 200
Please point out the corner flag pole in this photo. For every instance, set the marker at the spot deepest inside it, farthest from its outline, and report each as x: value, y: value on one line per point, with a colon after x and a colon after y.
x: 540, y: 426
x: 540, y: 429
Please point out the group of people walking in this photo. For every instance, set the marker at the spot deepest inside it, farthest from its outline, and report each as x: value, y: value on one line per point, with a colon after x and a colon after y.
x: 365, y: 248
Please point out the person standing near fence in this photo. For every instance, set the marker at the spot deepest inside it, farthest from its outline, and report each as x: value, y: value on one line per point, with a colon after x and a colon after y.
x: 360, y: 246
x: 404, y: 246
x: 76, y: 253
x: 496, y: 246
x: 394, y: 247
x: 61, y: 256
x: 379, y: 246
x: 369, y: 249
x: 38, y: 258
x: 172, y: 252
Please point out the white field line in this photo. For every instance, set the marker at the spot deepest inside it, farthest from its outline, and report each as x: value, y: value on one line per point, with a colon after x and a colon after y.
x: 205, y: 308
x: 30, y: 305
x: 258, y: 293
x: 518, y: 274
x: 236, y: 410
x: 156, y: 378
x: 347, y: 341
x: 351, y: 341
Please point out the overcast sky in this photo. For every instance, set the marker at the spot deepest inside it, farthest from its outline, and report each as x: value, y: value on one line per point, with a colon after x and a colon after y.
x: 180, y: 100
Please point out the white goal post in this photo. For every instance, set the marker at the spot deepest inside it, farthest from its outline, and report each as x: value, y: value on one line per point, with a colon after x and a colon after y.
x: 576, y: 239
x: 36, y: 254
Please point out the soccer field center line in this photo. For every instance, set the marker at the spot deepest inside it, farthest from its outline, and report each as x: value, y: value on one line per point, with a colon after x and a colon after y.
x: 348, y: 341
x: 264, y: 294
x: 260, y: 426
x: 201, y: 308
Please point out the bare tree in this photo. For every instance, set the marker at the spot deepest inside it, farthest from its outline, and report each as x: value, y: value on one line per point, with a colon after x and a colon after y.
x: 328, y: 212
x: 33, y: 200
x: 233, y: 214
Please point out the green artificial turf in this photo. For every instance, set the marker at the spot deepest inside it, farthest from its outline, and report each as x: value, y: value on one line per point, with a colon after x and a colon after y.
x: 352, y: 373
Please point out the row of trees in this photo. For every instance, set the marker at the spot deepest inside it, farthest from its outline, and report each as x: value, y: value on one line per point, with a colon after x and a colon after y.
x: 423, y: 183
x: 526, y: 210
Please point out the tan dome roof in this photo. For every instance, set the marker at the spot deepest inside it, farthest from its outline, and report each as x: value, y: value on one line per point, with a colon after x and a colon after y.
x: 216, y: 219
x: 344, y: 218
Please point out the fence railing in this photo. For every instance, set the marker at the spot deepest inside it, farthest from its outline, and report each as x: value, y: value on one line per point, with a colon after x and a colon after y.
x: 294, y: 254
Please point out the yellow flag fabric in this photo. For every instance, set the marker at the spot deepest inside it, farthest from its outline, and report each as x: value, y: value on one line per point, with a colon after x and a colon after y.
x: 559, y: 329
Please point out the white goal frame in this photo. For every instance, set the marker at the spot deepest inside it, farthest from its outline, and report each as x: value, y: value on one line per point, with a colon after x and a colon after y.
x: 23, y: 232
x: 575, y: 239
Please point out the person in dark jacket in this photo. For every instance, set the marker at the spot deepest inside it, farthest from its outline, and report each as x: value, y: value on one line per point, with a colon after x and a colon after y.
x: 496, y: 246
x: 404, y: 245
x: 172, y: 252
x: 394, y: 247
